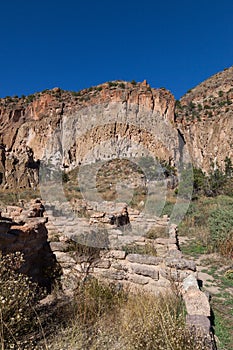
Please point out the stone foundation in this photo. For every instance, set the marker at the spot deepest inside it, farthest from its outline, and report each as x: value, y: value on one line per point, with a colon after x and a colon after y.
x: 166, y: 270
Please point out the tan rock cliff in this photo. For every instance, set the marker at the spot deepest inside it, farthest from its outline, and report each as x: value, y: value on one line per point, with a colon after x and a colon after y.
x: 115, y: 119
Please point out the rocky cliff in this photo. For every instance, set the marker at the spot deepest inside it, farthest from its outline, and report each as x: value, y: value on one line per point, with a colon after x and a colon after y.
x: 111, y: 120
x: 22, y: 229
x: 115, y: 119
x: 204, y: 115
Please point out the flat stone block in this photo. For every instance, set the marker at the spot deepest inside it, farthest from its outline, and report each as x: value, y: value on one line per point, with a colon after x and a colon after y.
x: 144, y: 259
x: 64, y: 259
x: 116, y: 254
x: 138, y: 279
x: 199, y: 321
x: 58, y: 246
x: 114, y: 275
x: 175, y: 253
x: 103, y: 264
x: 182, y: 264
x: 145, y: 271
x: 196, y: 303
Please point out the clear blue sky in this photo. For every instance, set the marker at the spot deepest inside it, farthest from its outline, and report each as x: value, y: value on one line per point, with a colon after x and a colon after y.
x: 77, y: 44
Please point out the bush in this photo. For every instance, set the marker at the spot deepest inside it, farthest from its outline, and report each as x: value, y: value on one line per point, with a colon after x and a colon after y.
x: 75, y: 93
x: 18, y: 296
x: 112, y: 84
x: 178, y: 104
x: 65, y: 177
x: 217, y: 182
x: 221, y: 230
x: 122, y: 85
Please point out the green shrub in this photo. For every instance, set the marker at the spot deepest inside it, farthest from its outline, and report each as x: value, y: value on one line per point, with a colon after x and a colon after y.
x: 30, y: 98
x: 168, y: 208
x: 185, y: 188
x: 112, y: 84
x: 122, y: 85
x: 178, y: 104
x: 75, y: 93
x: 191, y: 105
x: 65, y: 177
x: 221, y: 229
x: 228, y: 167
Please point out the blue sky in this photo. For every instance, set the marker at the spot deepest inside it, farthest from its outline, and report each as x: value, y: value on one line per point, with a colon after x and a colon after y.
x: 77, y: 44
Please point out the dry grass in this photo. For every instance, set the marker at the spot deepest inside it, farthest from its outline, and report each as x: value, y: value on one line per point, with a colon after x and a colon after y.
x: 105, y: 319
x: 99, y: 316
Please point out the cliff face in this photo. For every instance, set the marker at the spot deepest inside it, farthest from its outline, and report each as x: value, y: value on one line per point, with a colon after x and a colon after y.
x: 205, y: 118
x: 111, y: 120
x: 115, y: 119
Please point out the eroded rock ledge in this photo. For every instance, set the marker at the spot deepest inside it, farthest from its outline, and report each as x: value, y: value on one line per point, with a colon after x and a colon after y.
x: 24, y: 230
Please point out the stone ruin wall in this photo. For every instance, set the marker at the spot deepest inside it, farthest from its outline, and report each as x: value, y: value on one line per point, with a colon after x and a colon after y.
x: 156, y: 274
x: 24, y: 230
x: 161, y: 273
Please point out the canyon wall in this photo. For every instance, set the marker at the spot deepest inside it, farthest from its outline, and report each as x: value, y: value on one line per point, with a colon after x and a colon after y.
x: 115, y: 119
x: 69, y: 129
x: 204, y: 116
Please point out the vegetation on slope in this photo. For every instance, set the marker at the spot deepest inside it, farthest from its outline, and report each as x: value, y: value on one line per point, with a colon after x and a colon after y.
x: 99, y: 316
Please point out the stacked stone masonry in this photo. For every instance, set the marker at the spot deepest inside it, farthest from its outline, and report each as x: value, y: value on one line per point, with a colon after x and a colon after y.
x: 25, y: 231
x: 158, y: 273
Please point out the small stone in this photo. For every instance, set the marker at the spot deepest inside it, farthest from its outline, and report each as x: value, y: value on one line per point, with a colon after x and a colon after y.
x: 190, y: 282
x: 65, y: 259
x: 175, y: 253
x: 118, y: 266
x: 103, y: 264
x: 163, y: 241
x: 58, y: 246
x: 139, y: 279
x: 116, y: 254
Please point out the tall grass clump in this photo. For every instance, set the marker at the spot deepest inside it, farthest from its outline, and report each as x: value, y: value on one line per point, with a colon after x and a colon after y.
x: 102, y: 317
x: 157, y: 323
x: 221, y: 230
